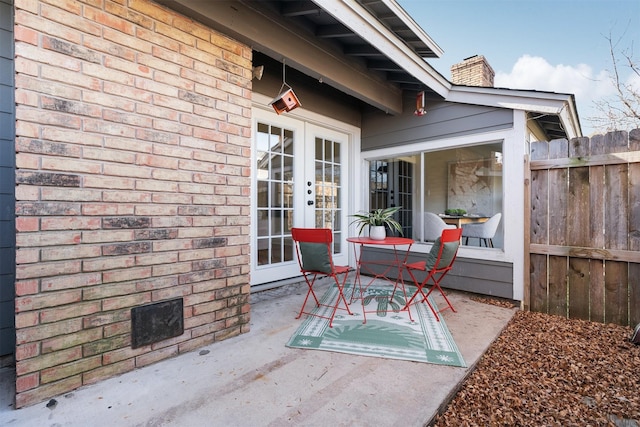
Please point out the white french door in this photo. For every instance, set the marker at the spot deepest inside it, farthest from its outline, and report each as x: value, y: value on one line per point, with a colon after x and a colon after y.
x: 299, y: 180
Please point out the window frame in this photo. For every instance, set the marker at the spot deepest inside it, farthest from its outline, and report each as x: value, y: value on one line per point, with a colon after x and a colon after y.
x: 512, y: 218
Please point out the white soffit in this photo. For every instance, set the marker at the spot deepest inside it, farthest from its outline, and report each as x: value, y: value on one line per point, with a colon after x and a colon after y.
x: 360, y: 21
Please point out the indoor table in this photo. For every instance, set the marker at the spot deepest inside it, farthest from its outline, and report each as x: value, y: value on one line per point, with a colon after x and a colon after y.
x: 458, y: 220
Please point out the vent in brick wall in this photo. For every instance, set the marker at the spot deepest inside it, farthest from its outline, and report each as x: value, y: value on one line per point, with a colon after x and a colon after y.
x: 153, y: 323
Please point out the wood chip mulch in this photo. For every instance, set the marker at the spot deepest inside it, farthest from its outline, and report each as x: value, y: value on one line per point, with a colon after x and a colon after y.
x: 500, y: 302
x: 546, y: 370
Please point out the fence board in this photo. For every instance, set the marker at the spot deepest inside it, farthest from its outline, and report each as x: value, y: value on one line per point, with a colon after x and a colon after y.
x: 579, y: 147
x: 616, y: 142
x: 634, y: 140
x: 578, y: 218
x: 596, y: 290
x: 538, y: 283
x: 634, y: 294
x: 558, y: 285
x: 558, y: 149
x: 616, y: 207
x: 597, y: 145
x: 634, y: 207
x: 596, y: 206
x: 539, y: 150
x: 539, y: 197
x: 616, y: 292
x: 579, y: 284
x: 558, y: 190
x: 539, y: 206
x: 558, y: 193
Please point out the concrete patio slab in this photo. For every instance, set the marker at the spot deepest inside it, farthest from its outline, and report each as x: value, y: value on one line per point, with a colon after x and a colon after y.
x: 254, y: 380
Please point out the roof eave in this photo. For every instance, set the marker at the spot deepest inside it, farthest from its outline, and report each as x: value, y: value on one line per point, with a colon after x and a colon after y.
x: 559, y: 104
x: 361, y: 22
x: 414, y: 27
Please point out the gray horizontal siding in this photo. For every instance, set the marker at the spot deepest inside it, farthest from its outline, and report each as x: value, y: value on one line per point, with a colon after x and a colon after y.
x: 483, y: 277
x: 443, y: 120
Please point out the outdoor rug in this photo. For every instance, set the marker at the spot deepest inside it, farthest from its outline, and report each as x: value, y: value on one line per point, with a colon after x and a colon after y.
x: 389, y: 335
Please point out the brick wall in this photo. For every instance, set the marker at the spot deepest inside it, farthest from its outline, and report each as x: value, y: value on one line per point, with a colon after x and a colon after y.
x: 133, y: 160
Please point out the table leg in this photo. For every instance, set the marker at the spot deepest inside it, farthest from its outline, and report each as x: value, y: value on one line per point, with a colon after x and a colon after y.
x: 388, y: 266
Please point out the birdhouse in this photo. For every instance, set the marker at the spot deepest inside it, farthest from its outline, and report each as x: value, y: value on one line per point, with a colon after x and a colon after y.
x: 285, y: 102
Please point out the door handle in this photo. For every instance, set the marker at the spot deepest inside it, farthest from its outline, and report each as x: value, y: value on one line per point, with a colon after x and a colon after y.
x: 310, y: 202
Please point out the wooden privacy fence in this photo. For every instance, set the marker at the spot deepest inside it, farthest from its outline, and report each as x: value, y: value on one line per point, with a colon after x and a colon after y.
x: 583, y: 208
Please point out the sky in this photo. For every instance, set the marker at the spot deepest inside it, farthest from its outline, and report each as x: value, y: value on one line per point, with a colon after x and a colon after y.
x: 548, y: 45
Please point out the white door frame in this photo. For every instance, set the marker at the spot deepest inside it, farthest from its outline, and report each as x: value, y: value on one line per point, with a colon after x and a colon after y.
x: 328, y: 128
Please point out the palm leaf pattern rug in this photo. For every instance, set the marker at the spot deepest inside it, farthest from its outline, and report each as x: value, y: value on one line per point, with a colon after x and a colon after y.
x: 388, y: 333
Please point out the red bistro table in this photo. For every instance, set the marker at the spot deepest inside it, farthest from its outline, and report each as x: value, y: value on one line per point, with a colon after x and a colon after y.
x: 388, y: 265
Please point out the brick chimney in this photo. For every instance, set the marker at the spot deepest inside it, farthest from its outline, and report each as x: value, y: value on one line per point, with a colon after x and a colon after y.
x: 473, y: 71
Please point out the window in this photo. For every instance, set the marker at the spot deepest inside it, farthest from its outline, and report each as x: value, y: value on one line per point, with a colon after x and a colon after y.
x: 391, y: 184
x: 467, y: 178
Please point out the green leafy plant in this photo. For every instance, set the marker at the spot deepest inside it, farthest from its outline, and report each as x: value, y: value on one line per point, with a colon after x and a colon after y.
x: 455, y: 212
x: 378, y: 217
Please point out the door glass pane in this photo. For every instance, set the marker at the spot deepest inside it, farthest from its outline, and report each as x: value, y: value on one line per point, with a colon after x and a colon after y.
x: 327, y: 175
x: 275, y: 140
x: 274, y: 194
x: 288, y: 138
x: 319, y: 185
x: 263, y: 194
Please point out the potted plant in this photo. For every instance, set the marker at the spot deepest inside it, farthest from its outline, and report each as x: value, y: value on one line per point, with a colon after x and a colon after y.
x: 455, y: 212
x: 378, y: 220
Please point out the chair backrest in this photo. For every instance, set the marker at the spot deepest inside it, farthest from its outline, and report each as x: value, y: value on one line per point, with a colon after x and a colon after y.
x: 433, y: 226
x: 313, y: 249
x: 484, y: 230
x: 491, y: 225
x: 312, y: 235
x: 445, y: 249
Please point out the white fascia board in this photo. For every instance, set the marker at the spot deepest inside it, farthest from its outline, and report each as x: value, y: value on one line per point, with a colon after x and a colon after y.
x: 541, y: 102
x: 560, y: 104
x: 569, y: 117
x: 413, y: 26
x: 358, y: 19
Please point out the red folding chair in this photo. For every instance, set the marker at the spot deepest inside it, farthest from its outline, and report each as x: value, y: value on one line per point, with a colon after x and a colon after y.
x: 314, y: 252
x: 436, y: 265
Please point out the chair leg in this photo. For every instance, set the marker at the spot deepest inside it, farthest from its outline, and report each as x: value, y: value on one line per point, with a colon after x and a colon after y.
x: 334, y: 305
x: 309, y: 292
x: 341, y: 296
x: 420, y: 291
x: 437, y: 285
x: 487, y: 242
x: 399, y: 282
